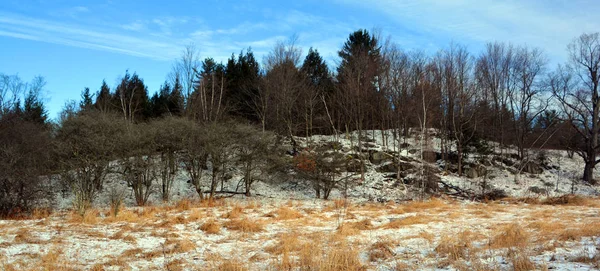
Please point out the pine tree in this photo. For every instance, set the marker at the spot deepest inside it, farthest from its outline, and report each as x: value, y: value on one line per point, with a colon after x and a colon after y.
x: 159, y: 101
x: 243, y: 78
x: 176, y: 100
x: 86, y: 102
x: 316, y: 70
x: 132, y: 97
x: 33, y: 109
x: 318, y: 92
x: 103, y: 98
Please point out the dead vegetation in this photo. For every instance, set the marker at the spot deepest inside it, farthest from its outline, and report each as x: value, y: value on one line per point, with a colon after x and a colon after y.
x: 245, y: 225
x: 298, y: 236
x: 211, y: 227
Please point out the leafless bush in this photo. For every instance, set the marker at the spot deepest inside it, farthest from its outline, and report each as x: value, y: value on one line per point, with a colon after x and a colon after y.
x: 87, y: 142
x: 25, y: 155
x: 116, y: 197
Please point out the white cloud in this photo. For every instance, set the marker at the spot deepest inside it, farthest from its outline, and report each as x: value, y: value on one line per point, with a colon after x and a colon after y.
x: 163, y: 38
x: 550, y: 25
x: 75, y: 35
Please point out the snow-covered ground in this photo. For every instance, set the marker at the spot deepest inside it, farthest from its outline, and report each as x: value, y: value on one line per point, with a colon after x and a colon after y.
x: 559, y: 175
x: 271, y: 234
x: 283, y: 226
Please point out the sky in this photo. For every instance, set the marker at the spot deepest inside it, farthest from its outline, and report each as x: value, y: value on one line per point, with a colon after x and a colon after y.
x: 77, y: 44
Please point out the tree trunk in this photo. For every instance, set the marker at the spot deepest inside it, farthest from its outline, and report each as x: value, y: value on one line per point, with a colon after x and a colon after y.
x: 213, y: 184
x: 588, y: 172
x: 460, y: 153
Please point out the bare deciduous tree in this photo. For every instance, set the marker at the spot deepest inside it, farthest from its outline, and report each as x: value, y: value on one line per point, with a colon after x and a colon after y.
x: 138, y: 167
x: 526, y: 102
x: 576, y: 89
x: 185, y: 69
x: 460, y: 96
x: 87, y: 144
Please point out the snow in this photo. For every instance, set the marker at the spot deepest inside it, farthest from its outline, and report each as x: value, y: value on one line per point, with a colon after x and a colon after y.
x: 83, y: 245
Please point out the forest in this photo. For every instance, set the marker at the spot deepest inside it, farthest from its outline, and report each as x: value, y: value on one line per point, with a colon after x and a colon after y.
x: 208, y: 115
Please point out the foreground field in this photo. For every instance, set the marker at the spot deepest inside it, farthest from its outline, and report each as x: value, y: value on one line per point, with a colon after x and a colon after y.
x: 264, y: 234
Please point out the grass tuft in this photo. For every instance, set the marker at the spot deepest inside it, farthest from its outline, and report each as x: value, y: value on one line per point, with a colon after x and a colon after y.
x: 245, y: 225
x: 211, y: 227
x: 512, y: 235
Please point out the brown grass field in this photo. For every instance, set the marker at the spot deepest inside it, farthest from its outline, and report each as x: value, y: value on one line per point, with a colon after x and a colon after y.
x: 265, y: 234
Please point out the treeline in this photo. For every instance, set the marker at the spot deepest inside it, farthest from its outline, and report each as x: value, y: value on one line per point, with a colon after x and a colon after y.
x: 506, y: 93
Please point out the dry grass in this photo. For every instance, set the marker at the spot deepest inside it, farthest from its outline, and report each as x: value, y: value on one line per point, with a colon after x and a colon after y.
x: 175, y: 265
x: 564, y: 200
x: 314, y: 252
x: 285, y: 213
x: 342, y: 257
x: 362, y: 225
x: 512, y: 235
x: 576, y: 231
x: 571, y: 200
x: 410, y: 220
x: 119, y: 263
x: 196, y: 215
x: 287, y: 243
x: 124, y: 216
x: 211, y: 227
x: 90, y: 217
x: 304, y: 239
x: 236, y: 212
x: 41, y: 213
x: 24, y: 235
x: 454, y: 247
x: 131, y: 252
x: 420, y: 206
x: 245, y: 225
x: 211, y: 203
x: 54, y: 260
x: 181, y: 205
x: 180, y: 246
x: 231, y: 265
x: 381, y: 250
x: 353, y: 228
x: 337, y: 205
x: 122, y: 235
x: 346, y: 230
x: 520, y: 261
x: 546, y: 230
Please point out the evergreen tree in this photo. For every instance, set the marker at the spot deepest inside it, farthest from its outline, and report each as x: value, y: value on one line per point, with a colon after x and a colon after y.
x: 103, y: 98
x: 176, y: 100
x: 243, y: 78
x: 316, y: 70
x: 159, y: 101
x: 33, y: 109
x: 358, y: 94
x: 86, y: 100
x: 319, y: 88
x: 359, y: 45
x: 132, y: 97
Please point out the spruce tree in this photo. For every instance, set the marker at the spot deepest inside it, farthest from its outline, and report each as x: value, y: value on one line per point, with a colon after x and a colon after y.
x: 103, y: 98
x: 86, y: 102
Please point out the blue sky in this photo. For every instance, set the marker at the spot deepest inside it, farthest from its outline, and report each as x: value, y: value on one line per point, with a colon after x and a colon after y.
x: 77, y: 44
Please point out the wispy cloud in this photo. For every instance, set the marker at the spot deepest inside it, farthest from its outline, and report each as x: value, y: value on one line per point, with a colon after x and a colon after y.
x: 75, y: 35
x: 547, y: 24
x: 163, y: 38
